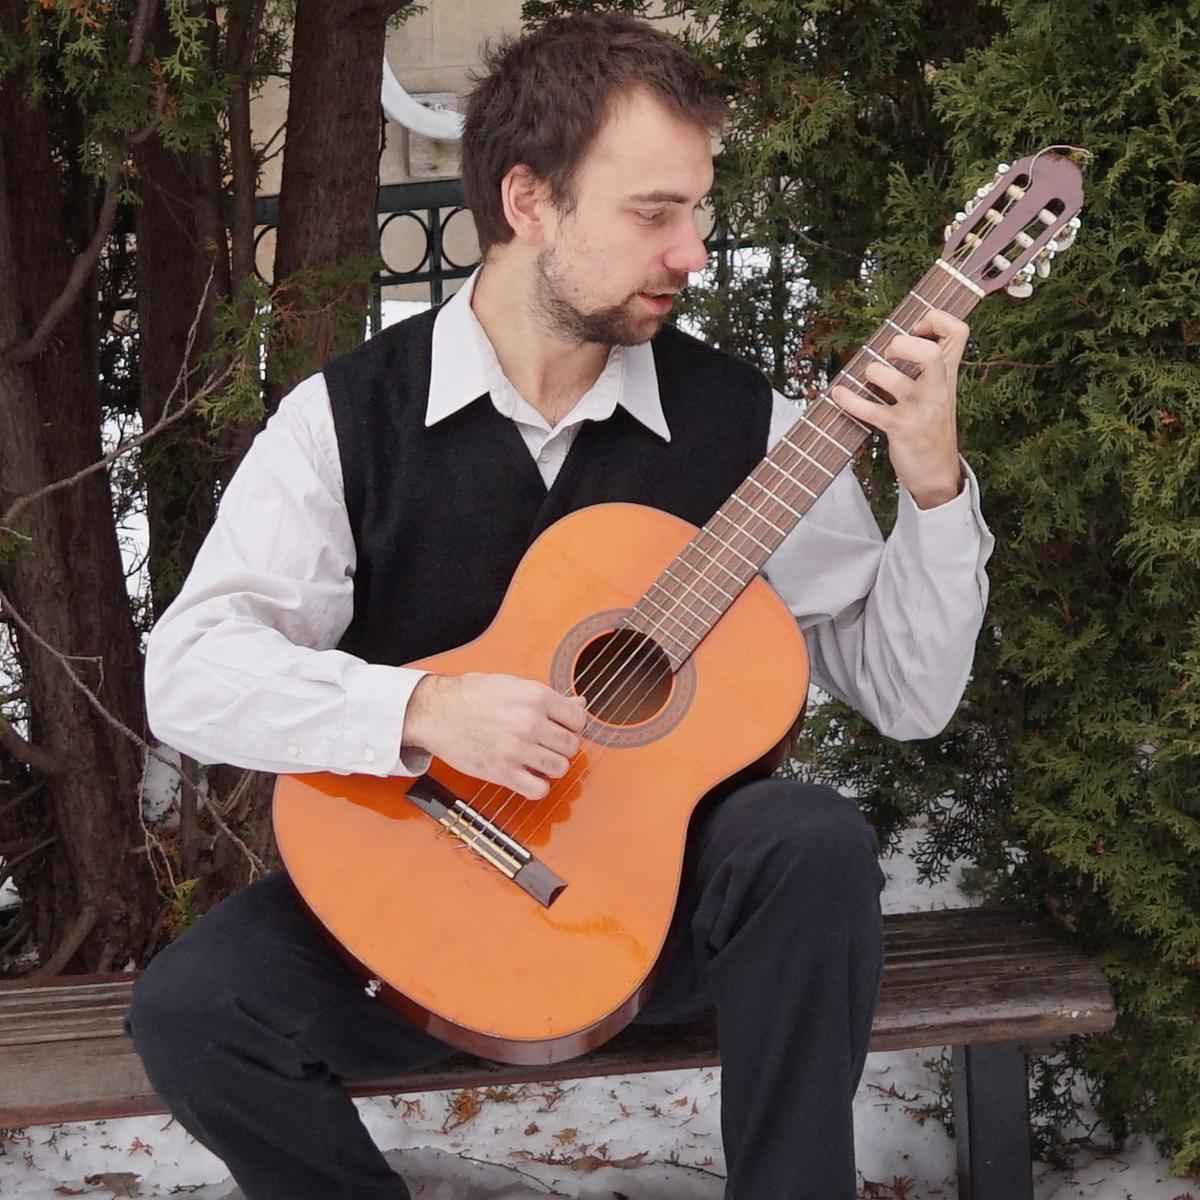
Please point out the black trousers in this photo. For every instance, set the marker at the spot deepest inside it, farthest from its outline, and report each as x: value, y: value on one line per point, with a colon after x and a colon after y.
x: 248, y: 1023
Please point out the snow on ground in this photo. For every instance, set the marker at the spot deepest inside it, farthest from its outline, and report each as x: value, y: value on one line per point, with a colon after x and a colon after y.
x: 649, y: 1137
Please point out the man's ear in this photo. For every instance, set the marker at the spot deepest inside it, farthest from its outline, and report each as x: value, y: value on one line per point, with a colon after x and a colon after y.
x: 526, y: 202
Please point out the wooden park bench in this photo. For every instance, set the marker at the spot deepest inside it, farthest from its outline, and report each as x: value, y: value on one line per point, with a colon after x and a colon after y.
x: 992, y: 984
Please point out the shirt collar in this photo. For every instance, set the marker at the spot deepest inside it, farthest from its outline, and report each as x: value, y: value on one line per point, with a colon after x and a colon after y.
x: 465, y: 368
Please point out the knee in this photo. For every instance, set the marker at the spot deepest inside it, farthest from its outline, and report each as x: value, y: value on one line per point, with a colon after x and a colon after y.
x: 172, y: 1013
x: 815, y: 833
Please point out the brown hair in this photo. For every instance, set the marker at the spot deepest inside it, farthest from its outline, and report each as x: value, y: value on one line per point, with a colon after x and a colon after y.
x: 545, y: 96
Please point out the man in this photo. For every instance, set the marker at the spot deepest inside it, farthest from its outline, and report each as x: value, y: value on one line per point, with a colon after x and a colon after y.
x: 377, y: 519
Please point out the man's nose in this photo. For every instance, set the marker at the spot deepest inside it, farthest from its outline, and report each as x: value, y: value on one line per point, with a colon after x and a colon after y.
x: 688, y: 254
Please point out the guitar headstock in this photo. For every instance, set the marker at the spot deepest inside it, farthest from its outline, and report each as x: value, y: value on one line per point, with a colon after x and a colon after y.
x: 1012, y: 228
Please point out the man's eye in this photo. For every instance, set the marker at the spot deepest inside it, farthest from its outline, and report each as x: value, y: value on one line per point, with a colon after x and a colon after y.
x: 651, y: 217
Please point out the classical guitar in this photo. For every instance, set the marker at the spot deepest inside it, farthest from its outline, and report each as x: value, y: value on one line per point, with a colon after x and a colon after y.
x: 526, y: 931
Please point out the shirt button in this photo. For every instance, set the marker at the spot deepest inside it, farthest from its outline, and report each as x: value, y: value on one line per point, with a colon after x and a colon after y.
x: 293, y: 751
x: 368, y: 755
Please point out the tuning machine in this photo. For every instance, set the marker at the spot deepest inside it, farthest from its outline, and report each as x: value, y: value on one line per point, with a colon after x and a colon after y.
x: 1039, y: 265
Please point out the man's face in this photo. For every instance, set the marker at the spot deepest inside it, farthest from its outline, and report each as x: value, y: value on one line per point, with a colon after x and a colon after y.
x: 610, y: 267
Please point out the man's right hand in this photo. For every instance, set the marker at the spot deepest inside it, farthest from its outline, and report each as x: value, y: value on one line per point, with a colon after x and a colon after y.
x: 510, y: 731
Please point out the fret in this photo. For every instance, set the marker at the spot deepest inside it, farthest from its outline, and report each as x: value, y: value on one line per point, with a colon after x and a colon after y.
x: 755, y: 513
x: 876, y: 356
x: 827, y: 436
x: 715, y: 607
x: 669, y: 616
x: 774, y: 496
x: 897, y: 328
x: 711, y: 582
x: 800, y: 450
x: 845, y: 376
x: 850, y: 416
x: 687, y: 649
x: 678, y: 602
x: 789, y: 476
x: 917, y: 296
x: 726, y: 545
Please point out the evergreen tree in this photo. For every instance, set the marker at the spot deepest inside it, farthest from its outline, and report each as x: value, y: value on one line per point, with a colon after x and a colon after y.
x: 1072, y: 771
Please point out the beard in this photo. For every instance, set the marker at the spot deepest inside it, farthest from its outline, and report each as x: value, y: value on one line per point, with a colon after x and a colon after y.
x: 614, y: 325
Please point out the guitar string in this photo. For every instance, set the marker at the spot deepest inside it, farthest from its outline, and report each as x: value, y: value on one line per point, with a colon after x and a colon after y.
x: 908, y: 320
x: 648, y: 647
x: 543, y: 811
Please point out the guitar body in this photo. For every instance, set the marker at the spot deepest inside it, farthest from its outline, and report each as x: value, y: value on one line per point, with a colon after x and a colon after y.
x: 458, y: 947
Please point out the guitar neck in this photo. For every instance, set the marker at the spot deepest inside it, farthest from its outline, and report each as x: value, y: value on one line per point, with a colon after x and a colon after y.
x: 719, y: 563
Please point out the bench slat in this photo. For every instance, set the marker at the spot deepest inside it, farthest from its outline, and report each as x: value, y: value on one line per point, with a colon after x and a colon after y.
x: 953, y: 977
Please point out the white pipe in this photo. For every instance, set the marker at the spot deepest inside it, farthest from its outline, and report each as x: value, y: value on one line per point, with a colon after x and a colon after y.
x: 437, y: 123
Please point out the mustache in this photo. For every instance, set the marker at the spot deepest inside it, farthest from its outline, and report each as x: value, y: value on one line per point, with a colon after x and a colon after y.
x: 676, y: 283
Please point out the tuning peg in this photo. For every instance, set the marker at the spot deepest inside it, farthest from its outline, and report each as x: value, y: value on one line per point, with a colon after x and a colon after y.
x: 1020, y: 288
x: 1064, y: 239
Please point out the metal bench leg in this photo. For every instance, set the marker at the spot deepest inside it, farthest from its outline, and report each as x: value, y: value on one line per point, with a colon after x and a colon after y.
x: 991, y: 1122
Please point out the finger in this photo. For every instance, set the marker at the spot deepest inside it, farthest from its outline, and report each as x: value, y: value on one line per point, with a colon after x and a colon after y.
x: 897, y: 385
x: 941, y: 324
x: 569, y: 711
x: 907, y: 348
x: 559, y: 739
x: 529, y: 785
x: 547, y: 763
x: 878, y: 416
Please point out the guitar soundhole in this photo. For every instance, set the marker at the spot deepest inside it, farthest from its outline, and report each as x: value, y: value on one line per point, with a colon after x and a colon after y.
x: 624, y: 676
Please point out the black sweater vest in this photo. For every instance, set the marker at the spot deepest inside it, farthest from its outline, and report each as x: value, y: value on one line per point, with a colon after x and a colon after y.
x: 441, y: 516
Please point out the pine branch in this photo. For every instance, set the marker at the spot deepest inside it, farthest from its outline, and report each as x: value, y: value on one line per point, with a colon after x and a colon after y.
x: 85, y: 263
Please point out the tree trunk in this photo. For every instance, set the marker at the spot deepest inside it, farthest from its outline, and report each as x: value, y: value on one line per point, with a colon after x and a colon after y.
x: 92, y: 886
x: 176, y: 253
x: 328, y: 239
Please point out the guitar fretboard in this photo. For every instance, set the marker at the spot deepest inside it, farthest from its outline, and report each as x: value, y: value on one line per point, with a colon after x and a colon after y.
x: 718, y: 564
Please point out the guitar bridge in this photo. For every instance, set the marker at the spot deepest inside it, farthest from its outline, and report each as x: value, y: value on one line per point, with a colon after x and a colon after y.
x: 487, y: 840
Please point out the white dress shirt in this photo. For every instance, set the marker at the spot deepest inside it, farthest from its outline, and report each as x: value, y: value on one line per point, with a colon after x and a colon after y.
x: 242, y: 667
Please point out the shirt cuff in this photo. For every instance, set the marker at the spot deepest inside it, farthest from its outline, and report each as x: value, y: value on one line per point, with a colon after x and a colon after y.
x: 949, y: 532
x: 376, y: 701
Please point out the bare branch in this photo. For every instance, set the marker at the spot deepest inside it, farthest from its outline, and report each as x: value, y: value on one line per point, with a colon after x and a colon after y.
x: 41, y: 760
x: 214, y: 382
x: 82, y: 926
x: 22, y: 932
x: 256, y: 863
x: 19, y: 799
x: 11, y: 866
x: 80, y: 271
x: 141, y: 27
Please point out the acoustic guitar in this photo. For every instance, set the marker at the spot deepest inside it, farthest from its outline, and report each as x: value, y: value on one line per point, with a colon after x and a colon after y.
x: 528, y: 931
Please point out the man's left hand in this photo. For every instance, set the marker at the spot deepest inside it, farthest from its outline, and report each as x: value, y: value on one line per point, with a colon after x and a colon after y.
x: 921, y: 425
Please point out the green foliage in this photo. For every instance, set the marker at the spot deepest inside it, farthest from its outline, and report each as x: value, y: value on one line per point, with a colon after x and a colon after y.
x: 1071, y: 770
x: 77, y: 51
